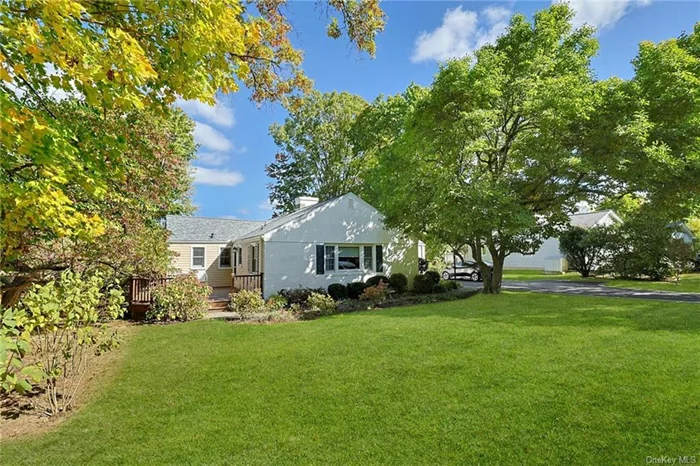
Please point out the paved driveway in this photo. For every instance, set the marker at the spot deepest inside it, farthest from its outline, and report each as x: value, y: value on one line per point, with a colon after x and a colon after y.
x: 590, y: 289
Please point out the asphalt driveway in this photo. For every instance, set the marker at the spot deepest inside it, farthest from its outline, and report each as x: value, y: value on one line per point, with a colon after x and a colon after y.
x: 590, y: 289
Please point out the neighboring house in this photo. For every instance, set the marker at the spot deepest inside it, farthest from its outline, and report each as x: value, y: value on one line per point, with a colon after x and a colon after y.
x: 341, y: 240
x: 548, y: 257
x: 682, y: 232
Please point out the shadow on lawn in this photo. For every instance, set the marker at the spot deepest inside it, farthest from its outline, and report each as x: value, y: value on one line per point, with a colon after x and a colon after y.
x: 574, y: 311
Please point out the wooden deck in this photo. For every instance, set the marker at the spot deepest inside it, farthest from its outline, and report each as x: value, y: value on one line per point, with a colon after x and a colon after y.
x: 139, y: 296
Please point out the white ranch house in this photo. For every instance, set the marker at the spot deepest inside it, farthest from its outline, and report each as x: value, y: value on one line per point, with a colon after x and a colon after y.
x: 340, y: 240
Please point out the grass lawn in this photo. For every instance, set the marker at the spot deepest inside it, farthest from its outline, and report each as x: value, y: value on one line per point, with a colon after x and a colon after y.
x: 515, y: 378
x: 689, y: 283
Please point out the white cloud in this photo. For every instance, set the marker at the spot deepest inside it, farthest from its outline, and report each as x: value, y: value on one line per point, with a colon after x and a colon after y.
x: 211, y: 139
x: 216, y: 177
x: 219, y: 114
x: 243, y: 211
x: 266, y: 205
x: 602, y: 14
x: 461, y: 32
x: 213, y: 159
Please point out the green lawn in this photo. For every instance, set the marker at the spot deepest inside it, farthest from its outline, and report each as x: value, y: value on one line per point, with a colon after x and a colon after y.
x: 515, y: 378
x: 689, y: 283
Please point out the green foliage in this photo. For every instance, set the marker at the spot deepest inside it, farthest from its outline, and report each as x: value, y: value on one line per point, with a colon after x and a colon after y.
x: 182, y: 298
x: 494, y: 143
x: 55, y: 326
x: 338, y: 291
x: 376, y: 293
x: 433, y: 276
x: 423, y: 284
x: 321, y: 303
x: 316, y: 156
x: 447, y: 285
x: 585, y: 249
x: 276, y: 302
x: 299, y: 295
x: 64, y: 160
x: 398, y: 282
x: 644, y: 247
x: 374, y: 281
x: 355, y: 289
x: 248, y: 303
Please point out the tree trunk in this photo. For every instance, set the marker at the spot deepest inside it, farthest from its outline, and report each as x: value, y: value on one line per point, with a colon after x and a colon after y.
x: 13, y: 291
x: 493, y: 285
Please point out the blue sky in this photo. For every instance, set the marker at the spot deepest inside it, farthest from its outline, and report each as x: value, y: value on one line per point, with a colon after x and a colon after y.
x: 230, y: 180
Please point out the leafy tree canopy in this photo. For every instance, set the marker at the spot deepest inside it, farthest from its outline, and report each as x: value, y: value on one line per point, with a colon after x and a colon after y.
x: 488, y: 157
x: 316, y: 155
x: 119, y: 57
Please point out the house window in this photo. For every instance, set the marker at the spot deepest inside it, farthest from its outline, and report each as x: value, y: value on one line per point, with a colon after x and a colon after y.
x: 348, y: 257
x: 330, y: 258
x: 367, y: 257
x: 225, y: 258
x: 240, y: 256
x: 254, y: 258
x: 197, y: 257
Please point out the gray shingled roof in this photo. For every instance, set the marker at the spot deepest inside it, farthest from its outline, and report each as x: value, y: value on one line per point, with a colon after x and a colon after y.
x: 589, y: 219
x: 207, y: 230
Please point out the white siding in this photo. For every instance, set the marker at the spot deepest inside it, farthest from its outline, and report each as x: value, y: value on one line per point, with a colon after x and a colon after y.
x: 290, y: 251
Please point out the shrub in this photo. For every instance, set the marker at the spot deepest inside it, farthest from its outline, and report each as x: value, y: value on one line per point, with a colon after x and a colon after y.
x: 355, y: 289
x: 374, y: 281
x: 338, y: 291
x: 247, y: 303
x: 423, y: 284
x: 182, y: 298
x: 276, y: 302
x: 447, y: 285
x: 63, y: 317
x: 585, y: 249
x: 433, y: 276
x: 321, y: 303
x: 377, y: 293
x: 398, y: 282
x: 299, y: 295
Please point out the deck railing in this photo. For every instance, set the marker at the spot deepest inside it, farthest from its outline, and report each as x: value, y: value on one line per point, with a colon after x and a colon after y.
x: 247, y: 282
x: 140, y: 288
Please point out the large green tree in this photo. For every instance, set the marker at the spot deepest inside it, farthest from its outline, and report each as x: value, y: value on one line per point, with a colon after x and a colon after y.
x: 154, y: 146
x: 645, y: 132
x: 316, y: 156
x: 119, y: 57
x: 488, y: 158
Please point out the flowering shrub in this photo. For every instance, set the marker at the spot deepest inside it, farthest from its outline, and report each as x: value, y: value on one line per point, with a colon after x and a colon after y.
x: 376, y: 294
x: 180, y: 299
x: 247, y: 303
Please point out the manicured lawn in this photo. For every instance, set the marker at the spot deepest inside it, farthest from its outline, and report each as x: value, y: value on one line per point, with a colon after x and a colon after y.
x: 689, y: 283
x: 510, y: 379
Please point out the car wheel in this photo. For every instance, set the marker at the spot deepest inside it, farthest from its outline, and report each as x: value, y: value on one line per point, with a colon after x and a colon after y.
x: 446, y: 275
x: 474, y: 276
